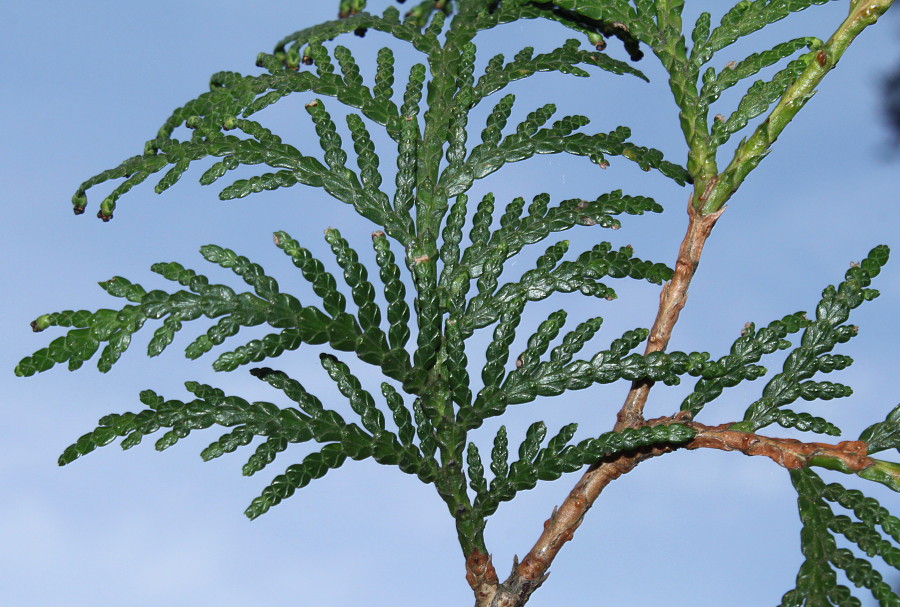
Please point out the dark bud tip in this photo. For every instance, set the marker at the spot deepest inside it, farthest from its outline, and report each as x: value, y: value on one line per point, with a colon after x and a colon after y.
x: 104, y: 217
x: 261, y: 372
x: 360, y: 31
x: 40, y: 323
x: 597, y: 40
x: 78, y: 210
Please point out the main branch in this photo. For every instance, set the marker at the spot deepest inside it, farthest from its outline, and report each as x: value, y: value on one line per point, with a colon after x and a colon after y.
x: 560, y: 527
x: 703, y: 213
x: 527, y: 576
x: 671, y: 301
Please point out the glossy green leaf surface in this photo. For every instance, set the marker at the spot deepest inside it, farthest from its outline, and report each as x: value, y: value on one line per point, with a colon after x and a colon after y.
x: 449, y: 326
x: 875, y: 532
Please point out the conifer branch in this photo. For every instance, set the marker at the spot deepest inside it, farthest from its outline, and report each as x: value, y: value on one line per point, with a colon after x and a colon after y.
x: 426, y: 214
x: 561, y: 526
x: 818, y: 63
x: 672, y: 299
x: 850, y: 457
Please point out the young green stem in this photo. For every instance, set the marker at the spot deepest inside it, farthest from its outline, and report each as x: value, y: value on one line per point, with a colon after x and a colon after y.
x: 751, y: 151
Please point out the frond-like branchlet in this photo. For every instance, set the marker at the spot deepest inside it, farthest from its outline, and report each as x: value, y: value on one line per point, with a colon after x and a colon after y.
x: 565, y: 59
x: 458, y: 276
x: 553, y: 275
x: 739, y: 365
x: 875, y: 533
x: 266, y: 305
x: 819, y: 337
x: 557, y: 458
x: 883, y: 435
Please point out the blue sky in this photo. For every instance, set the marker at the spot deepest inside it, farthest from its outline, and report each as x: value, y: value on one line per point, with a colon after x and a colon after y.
x: 86, y: 83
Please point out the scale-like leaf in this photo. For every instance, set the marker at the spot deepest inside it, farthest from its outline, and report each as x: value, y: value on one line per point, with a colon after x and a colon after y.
x: 748, y: 16
x: 565, y: 59
x: 402, y: 418
x: 476, y: 470
x: 884, y: 435
x: 817, y: 580
x: 394, y: 292
x: 458, y: 381
x: 453, y: 285
x: 408, y: 144
x: 819, y: 337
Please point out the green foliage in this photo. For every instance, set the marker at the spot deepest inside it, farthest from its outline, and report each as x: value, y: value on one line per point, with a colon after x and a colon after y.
x: 884, y: 435
x: 448, y: 286
x: 558, y: 457
x: 819, y: 337
x: 875, y: 533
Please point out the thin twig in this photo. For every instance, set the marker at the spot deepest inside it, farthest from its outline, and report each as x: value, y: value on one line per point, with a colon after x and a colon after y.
x: 786, y: 452
x: 671, y: 301
x: 560, y: 527
x: 527, y: 576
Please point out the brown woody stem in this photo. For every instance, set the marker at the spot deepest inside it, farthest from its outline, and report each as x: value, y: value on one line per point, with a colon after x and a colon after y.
x: 671, y: 301
x: 560, y: 527
x: 527, y: 576
x: 703, y: 213
x: 789, y: 453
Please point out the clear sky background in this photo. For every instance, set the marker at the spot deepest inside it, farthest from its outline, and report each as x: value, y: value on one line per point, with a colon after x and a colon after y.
x: 86, y: 83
